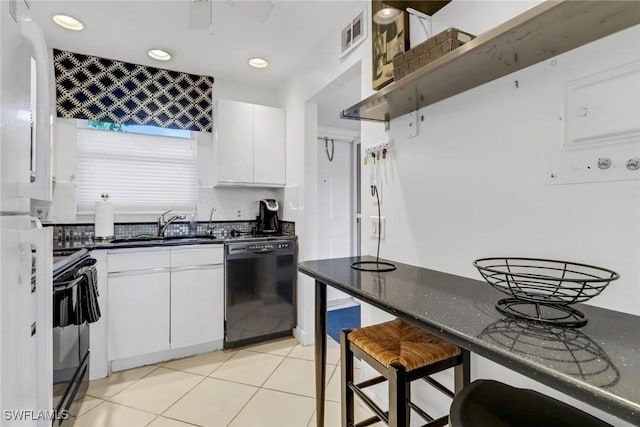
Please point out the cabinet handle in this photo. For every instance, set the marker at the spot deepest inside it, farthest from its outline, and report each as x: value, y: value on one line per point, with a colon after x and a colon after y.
x: 139, y: 272
x: 196, y: 267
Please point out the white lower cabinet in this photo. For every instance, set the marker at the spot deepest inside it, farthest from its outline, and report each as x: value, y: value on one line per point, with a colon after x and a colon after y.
x: 138, y: 312
x: 196, y: 305
x: 164, y: 299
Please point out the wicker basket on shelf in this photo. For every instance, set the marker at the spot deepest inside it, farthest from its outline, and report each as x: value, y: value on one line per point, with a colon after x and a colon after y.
x: 428, y: 51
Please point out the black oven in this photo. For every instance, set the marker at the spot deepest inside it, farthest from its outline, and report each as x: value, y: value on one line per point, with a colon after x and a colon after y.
x: 74, y: 306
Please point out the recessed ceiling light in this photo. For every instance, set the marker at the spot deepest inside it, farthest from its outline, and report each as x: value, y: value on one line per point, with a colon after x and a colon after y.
x: 68, y: 22
x: 159, y: 54
x: 258, y: 63
x: 386, y: 15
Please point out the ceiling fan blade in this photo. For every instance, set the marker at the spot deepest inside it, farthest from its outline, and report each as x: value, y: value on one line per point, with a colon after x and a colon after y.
x: 199, y: 14
x: 258, y: 10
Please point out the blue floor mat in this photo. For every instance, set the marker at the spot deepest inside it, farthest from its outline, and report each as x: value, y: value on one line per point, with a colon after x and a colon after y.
x: 342, y: 318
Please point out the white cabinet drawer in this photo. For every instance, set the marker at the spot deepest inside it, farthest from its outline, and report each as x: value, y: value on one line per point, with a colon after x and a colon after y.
x: 197, y: 255
x: 123, y: 260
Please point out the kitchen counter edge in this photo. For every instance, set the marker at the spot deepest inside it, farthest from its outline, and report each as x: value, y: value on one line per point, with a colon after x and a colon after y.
x: 96, y: 245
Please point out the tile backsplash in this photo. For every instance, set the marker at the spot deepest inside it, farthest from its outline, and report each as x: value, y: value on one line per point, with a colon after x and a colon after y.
x: 69, y: 232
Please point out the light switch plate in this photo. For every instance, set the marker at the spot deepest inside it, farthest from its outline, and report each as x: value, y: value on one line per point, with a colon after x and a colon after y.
x: 374, y: 227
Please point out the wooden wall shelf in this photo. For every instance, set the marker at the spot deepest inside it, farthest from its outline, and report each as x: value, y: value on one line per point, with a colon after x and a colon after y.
x: 545, y: 31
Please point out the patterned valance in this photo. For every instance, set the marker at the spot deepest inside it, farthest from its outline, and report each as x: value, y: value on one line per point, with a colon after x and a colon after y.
x: 93, y: 88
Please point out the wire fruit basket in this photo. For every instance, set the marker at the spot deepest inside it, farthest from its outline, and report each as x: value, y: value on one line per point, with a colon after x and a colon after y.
x: 543, y: 289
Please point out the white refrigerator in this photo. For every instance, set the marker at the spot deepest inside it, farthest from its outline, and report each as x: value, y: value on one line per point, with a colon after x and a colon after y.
x: 25, y: 247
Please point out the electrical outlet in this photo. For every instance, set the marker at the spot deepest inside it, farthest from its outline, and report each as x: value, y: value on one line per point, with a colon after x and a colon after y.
x: 375, y: 230
x: 239, y: 213
x: 43, y: 213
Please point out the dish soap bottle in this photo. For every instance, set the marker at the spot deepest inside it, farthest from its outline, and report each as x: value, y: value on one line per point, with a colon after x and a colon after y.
x: 193, y: 225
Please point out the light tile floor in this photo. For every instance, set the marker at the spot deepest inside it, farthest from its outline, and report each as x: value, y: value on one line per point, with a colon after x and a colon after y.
x: 264, y: 385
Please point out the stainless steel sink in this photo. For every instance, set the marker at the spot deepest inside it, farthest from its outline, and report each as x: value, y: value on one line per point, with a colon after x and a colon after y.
x: 188, y: 238
x: 200, y: 236
x: 160, y: 240
x: 136, y: 239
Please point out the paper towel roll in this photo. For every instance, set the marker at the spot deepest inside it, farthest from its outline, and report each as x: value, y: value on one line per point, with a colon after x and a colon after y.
x: 104, y: 219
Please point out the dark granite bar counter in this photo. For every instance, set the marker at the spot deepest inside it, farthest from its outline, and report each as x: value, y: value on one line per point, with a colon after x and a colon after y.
x: 598, y: 363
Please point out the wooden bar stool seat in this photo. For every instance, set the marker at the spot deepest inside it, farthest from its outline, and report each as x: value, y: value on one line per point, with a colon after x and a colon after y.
x: 401, y: 353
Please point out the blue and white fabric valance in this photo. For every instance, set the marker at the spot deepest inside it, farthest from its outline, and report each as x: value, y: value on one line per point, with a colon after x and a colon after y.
x: 93, y: 88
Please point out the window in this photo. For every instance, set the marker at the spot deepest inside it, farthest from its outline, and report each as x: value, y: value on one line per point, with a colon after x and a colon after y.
x: 141, y: 173
x: 146, y: 130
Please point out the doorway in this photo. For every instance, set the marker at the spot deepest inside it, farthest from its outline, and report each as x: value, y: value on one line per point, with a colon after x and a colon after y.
x: 338, y: 158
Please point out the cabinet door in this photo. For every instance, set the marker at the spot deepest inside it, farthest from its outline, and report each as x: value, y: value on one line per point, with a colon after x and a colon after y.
x: 138, y: 312
x: 268, y: 145
x: 235, y: 142
x: 197, y: 303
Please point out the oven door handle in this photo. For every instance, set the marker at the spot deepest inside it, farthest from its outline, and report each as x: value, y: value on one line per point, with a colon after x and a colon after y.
x: 66, y: 285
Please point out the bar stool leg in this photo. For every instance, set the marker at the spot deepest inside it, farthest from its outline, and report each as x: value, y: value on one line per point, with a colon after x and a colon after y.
x: 462, y: 372
x: 399, y: 392
x: 346, y: 378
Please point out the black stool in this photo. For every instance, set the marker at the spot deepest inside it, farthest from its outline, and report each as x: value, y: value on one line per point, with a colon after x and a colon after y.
x: 401, y: 353
x: 487, y: 403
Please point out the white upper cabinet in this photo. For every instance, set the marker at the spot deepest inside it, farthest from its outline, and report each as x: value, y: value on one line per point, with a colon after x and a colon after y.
x: 235, y: 142
x: 268, y: 145
x: 250, y: 144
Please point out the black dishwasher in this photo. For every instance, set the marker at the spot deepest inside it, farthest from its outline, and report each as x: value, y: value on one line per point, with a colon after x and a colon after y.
x: 260, y: 291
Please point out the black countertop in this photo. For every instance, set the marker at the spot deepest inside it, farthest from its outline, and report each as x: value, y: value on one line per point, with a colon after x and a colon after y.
x: 89, y: 244
x: 598, y: 363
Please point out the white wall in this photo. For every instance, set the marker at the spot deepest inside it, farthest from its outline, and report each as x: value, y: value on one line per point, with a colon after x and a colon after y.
x: 316, y: 72
x: 472, y: 183
x: 226, y: 201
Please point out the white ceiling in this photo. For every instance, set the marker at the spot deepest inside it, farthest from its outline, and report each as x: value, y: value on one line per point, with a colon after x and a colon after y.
x: 125, y: 30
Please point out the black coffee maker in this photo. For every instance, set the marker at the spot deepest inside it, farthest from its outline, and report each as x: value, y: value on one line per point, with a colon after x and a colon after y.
x: 268, y: 222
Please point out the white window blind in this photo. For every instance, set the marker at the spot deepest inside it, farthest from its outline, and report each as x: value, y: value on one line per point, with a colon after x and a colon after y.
x: 141, y: 173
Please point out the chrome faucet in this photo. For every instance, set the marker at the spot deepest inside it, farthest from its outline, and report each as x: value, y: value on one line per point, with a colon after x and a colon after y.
x: 210, y: 226
x: 164, y: 223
